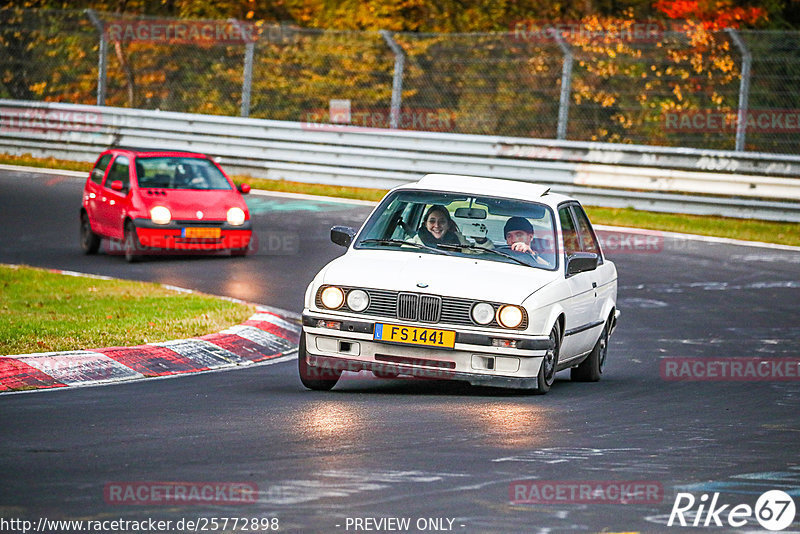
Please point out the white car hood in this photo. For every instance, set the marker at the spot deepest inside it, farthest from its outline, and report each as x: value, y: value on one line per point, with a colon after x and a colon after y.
x: 444, y: 275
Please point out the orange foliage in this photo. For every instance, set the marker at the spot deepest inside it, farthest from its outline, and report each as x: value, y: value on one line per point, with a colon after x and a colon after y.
x: 711, y: 14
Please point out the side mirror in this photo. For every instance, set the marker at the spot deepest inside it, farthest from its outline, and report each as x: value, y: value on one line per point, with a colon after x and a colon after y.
x: 243, y: 188
x: 581, y: 262
x: 342, y: 235
x: 116, y: 185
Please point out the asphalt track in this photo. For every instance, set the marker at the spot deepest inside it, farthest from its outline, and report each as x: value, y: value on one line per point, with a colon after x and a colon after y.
x: 414, y: 449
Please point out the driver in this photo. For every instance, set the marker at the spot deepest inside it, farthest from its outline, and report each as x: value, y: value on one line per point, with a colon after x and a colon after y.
x: 519, y: 235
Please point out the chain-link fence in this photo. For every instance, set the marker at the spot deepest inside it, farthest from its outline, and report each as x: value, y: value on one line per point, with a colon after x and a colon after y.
x: 693, y: 88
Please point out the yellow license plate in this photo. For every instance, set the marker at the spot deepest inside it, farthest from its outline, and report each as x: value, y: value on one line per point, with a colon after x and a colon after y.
x: 414, y: 335
x: 202, y: 232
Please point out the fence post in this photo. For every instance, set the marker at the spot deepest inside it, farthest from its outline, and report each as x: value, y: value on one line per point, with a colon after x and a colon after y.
x: 247, y: 83
x: 397, y: 81
x: 102, y: 62
x: 744, y: 88
x: 247, y: 74
x: 566, y: 86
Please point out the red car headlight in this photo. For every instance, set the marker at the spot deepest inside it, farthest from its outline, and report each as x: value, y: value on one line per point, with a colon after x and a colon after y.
x: 236, y: 216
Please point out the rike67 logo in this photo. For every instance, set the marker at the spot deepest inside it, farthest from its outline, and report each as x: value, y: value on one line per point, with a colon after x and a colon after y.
x: 774, y: 510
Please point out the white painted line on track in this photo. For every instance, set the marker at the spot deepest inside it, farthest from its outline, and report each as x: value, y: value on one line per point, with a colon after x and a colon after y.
x: 697, y: 237
x: 303, y: 196
x: 43, y: 170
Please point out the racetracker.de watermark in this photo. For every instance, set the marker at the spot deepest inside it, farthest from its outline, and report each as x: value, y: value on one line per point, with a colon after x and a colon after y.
x: 167, y: 31
x: 431, y: 120
x: 585, y: 492
x: 325, y: 368
x: 180, y: 493
x: 781, y: 121
x: 42, y: 121
x: 262, y: 243
x: 547, y: 31
x: 633, y: 242
x: 733, y: 369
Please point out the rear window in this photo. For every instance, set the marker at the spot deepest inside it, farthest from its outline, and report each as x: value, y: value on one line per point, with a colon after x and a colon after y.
x: 588, y: 239
x: 180, y: 173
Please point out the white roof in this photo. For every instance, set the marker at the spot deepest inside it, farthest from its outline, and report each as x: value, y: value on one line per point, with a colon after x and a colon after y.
x: 488, y: 186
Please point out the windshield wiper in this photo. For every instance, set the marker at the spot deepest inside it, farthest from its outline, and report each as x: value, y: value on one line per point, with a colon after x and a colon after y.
x: 401, y: 242
x: 482, y: 249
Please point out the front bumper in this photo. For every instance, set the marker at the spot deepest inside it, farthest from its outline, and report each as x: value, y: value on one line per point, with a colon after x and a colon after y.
x: 473, y: 359
x: 172, y: 236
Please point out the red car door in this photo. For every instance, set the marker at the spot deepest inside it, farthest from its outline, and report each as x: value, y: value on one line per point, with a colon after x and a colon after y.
x: 93, y: 192
x: 112, y: 203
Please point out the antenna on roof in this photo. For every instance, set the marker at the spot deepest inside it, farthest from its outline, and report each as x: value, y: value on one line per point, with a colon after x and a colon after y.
x: 546, y: 191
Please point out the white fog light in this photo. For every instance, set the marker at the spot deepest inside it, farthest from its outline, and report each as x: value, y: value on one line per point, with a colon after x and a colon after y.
x: 160, y: 215
x: 236, y: 216
x: 357, y: 300
x: 483, y: 313
x: 510, y: 316
x: 332, y: 297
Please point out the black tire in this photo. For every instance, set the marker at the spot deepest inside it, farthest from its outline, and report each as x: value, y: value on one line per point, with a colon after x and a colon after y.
x: 90, y: 241
x: 591, y: 368
x: 316, y: 378
x: 131, y: 244
x: 547, y: 371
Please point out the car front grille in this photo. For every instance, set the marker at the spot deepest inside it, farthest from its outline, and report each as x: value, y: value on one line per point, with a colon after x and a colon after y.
x: 196, y: 222
x: 430, y: 308
x: 407, y: 306
x: 422, y: 308
x: 419, y: 307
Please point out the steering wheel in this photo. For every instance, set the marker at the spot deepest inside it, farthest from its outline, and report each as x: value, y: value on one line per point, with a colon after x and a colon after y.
x: 508, y: 250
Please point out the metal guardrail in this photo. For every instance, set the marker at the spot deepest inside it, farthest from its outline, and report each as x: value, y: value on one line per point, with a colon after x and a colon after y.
x: 744, y: 185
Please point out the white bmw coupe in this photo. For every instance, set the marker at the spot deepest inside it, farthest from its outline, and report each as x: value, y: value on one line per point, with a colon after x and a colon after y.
x: 494, y: 282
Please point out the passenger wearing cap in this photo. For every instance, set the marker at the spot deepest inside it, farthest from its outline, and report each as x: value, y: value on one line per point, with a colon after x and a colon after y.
x: 519, y: 235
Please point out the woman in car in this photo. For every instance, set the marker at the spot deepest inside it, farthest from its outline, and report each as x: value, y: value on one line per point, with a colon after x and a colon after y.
x: 438, y: 228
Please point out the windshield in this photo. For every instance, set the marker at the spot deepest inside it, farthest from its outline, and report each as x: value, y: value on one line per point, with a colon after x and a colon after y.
x: 179, y: 173
x: 478, y: 227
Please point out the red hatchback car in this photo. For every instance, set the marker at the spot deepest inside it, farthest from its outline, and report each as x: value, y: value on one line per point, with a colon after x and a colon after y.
x: 153, y: 200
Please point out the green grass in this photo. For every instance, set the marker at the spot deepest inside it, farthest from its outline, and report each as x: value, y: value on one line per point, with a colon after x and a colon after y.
x: 41, y: 311
x: 747, y: 229
x: 358, y: 193
x: 49, y: 163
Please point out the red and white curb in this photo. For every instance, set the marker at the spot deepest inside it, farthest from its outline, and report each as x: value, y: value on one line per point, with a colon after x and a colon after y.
x: 268, y: 336
x: 265, y: 337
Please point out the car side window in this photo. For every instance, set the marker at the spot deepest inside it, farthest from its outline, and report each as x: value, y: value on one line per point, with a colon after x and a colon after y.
x: 571, y: 243
x: 100, y: 169
x: 119, y: 171
x: 588, y: 238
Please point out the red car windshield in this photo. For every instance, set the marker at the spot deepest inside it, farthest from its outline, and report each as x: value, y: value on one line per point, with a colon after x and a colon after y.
x: 179, y: 173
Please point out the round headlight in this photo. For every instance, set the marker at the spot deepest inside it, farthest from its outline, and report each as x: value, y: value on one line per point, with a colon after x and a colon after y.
x: 357, y: 300
x: 483, y: 313
x: 510, y: 316
x: 160, y: 215
x: 236, y: 216
x: 332, y: 297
